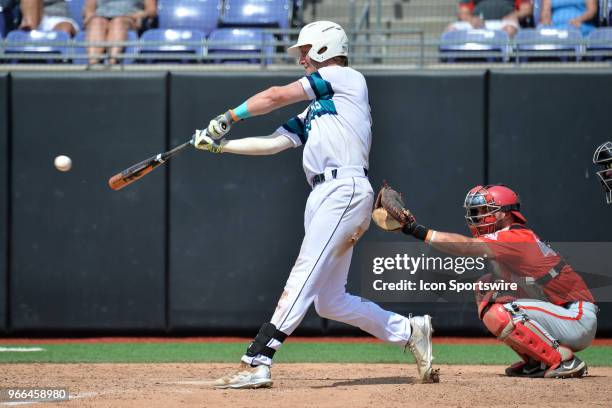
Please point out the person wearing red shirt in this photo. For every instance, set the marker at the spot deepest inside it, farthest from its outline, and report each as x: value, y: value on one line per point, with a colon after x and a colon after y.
x: 492, y: 14
x: 553, y: 313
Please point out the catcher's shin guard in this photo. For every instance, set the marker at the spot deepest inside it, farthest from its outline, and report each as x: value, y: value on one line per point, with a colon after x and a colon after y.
x: 524, y: 337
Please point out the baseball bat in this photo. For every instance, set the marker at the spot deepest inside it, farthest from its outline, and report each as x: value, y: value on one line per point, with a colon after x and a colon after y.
x: 138, y: 171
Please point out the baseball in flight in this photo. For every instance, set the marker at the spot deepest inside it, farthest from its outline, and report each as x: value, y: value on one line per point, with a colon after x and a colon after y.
x: 62, y: 163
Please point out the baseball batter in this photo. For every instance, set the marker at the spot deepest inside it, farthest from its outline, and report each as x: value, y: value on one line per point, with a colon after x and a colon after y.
x: 551, y: 316
x: 335, y: 131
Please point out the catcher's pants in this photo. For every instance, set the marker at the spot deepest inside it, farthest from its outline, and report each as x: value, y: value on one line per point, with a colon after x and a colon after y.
x: 573, y: 326
x: 337, y: 214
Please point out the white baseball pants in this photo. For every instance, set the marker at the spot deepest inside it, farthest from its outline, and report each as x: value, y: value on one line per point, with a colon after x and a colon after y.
x: 337, y: 214
x: 573, y: 327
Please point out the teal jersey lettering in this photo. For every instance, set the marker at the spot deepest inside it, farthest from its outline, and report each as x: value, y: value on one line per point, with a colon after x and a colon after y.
x: 318, y: 108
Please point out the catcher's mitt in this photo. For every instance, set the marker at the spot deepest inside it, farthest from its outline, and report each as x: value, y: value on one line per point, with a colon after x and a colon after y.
x: 389, y: 211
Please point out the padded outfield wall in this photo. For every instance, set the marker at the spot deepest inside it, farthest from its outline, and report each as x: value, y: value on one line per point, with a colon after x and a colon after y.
x: 205, y: 243
x: 4, y: 197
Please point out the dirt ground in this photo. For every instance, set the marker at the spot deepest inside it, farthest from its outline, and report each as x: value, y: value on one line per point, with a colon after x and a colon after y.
x: 307, y: 385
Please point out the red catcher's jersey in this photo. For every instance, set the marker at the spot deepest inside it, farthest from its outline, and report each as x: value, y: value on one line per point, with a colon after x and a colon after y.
x: 521, y: 252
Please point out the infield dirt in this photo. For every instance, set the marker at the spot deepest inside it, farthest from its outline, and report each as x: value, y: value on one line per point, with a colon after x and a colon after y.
x: 307, y: 385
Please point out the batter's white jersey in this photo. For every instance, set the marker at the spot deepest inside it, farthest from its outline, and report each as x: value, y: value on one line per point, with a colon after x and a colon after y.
x: 336, y: 128
x: 336, y: 133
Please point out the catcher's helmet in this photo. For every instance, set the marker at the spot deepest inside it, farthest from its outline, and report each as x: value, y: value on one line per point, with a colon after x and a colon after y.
x: 481, y: 204
x: 603, y: 157
x: 327, y: 38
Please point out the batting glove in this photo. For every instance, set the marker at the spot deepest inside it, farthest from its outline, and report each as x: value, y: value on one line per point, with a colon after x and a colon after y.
x: 219, y: 126
x: 201, y: 140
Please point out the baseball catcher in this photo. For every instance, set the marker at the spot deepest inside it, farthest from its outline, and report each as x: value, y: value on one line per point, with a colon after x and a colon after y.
x: 555, y: 314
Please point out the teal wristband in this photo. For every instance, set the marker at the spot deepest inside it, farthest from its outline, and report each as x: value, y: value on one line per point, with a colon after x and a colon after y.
x: 242, y: 112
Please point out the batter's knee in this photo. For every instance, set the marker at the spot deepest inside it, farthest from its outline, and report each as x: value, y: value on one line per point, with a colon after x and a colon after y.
x: 329, y: 307
x: 322, y: 308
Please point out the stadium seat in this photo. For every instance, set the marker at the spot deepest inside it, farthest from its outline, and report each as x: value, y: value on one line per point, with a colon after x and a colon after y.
x: 234, y: 44
x: 548, y: 44
x: 75, y: 8
x: 599, y: 41
x: 172, y: 44
x: 79, y: 53
x: 257, y: 13
x: 202, y: 15
x: 467, y: 45
x: 43, y: 45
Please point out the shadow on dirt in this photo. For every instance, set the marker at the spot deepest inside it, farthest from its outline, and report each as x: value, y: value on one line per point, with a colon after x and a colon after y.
x: 370, y: 381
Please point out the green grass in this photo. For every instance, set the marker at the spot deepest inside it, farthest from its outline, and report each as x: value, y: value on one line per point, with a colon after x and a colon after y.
x: 290, y: 353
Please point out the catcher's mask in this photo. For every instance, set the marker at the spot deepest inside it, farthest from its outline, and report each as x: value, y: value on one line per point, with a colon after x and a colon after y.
x: 603, y: 157
x: 483, y: 202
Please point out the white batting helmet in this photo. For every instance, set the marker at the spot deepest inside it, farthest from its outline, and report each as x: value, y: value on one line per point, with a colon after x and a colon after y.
x: 327, y: 38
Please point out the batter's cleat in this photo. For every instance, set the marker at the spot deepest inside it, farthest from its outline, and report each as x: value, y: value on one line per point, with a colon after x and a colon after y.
x: 421, y: 348
x: 246, y: 377
x: 574, y: 368
x: 529, y: 369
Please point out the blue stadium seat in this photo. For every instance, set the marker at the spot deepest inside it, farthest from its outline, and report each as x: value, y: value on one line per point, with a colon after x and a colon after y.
x: 548, y: 43
x: 202, y: 15
x: 75, y: 8
x: 269, y: 13
x: 172, y: 44
x: 79, y: 53
x: 236, y: 43
x: 43, y: 45
x: 600, y: 40
x: 467, y: 45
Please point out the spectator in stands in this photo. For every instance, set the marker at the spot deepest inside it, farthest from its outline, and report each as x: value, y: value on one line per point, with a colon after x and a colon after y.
x: 569, y: 13
x: 492, y: 15
x: 7, y: 15
x: 110, y: 20
x: 47, y: 15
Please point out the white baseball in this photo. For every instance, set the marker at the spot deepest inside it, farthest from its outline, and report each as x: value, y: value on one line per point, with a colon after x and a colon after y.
x: 62, y: 163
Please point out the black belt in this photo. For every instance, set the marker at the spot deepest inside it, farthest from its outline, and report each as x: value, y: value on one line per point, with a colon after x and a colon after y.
x: 550, y: 275
x: 320, y: 178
